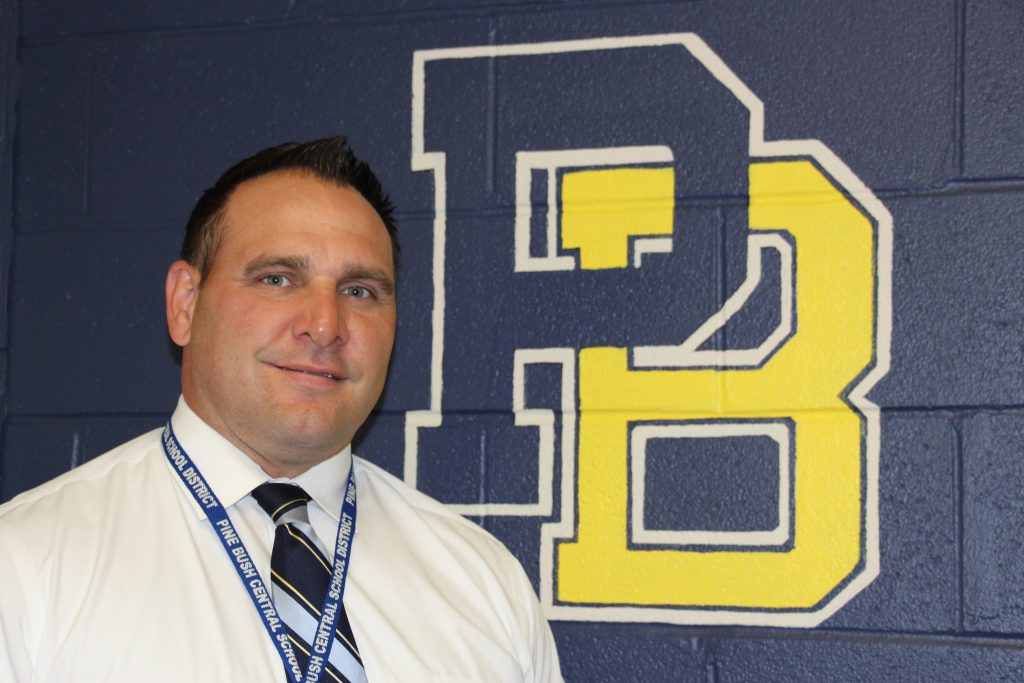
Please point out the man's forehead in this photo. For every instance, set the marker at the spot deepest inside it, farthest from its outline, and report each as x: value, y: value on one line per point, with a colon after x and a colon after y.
x: 288, y: 185
x: 298, y: 207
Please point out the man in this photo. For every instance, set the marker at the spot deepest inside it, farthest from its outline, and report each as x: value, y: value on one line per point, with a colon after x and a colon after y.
x: 157, y: 560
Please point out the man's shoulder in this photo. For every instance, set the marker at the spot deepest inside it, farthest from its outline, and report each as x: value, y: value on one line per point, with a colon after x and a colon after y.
x: 402, y: 504
x: 448, y: 567
x: 95, y: 479
x: 395, y: 491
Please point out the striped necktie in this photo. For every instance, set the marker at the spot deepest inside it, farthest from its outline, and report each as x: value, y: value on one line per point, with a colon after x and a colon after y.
x: 300, y: 572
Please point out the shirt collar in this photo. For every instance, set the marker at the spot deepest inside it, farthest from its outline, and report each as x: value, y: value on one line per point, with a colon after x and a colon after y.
x: 233, y: 475
x: 325, y: 482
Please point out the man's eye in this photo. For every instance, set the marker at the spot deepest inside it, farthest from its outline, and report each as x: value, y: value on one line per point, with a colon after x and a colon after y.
x: 358, y: 292
x: 276, y: 280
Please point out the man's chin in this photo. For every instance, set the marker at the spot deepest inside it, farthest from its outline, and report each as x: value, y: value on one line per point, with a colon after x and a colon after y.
x: 310, y: 430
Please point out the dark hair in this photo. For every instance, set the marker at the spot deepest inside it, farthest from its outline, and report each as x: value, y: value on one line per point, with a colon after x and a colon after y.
x: 330, y: 159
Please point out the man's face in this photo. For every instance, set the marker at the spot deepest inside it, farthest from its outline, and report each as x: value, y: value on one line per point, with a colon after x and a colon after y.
x: 287, y: 341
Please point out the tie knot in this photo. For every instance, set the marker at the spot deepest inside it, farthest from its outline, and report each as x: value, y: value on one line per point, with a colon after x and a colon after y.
x: 279, y: 499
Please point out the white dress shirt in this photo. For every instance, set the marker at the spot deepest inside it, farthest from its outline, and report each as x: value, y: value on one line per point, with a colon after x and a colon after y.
x: 111, y: 572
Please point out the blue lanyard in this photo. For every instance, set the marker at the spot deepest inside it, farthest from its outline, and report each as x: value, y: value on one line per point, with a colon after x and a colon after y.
x: 330, y: 613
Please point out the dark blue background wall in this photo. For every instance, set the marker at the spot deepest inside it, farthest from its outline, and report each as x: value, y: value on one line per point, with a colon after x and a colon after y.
x: 116, y: 115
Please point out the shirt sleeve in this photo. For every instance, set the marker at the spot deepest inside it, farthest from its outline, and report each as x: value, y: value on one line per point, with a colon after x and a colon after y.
x: 546, y: 668
x: 15, y: 612
x: 542, y: 665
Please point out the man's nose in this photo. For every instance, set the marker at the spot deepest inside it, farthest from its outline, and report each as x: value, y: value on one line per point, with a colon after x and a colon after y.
x: 322, y: 318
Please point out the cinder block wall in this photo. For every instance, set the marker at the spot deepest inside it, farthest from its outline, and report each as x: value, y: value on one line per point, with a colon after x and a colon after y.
x: 116, y: 115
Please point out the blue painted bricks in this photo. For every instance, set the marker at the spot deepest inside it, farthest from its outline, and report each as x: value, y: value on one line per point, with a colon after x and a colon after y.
x: 115, y: 118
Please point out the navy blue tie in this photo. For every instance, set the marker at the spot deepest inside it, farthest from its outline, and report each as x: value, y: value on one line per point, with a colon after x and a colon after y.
x: 300, y: 572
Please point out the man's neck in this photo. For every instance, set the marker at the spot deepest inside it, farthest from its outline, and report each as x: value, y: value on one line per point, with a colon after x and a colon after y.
x: 287, y: 463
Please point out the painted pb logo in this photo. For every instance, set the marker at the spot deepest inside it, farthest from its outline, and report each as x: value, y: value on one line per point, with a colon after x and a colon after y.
x: 657, y: 326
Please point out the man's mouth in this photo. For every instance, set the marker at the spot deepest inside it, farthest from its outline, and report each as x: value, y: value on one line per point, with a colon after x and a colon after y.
x: 305, y: 371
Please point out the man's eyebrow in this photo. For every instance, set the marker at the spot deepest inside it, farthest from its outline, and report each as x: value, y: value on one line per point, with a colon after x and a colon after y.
x: 268, y: 262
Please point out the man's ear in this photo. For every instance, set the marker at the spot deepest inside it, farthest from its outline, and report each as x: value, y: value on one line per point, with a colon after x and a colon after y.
x: 182, y: 291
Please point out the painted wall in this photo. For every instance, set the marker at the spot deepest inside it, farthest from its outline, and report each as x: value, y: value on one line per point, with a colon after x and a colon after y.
x: 710, y: 311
